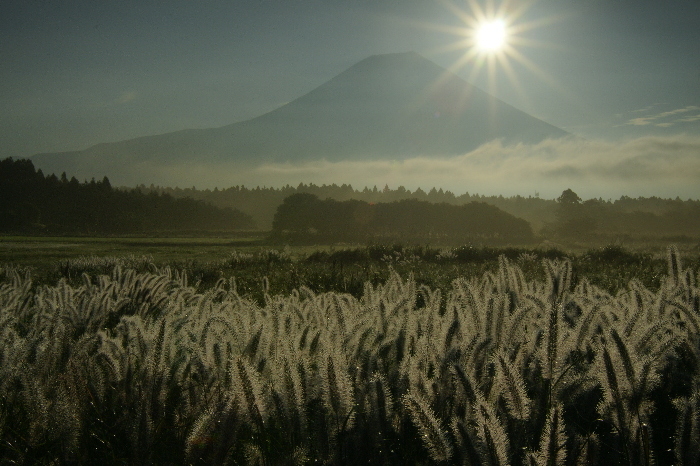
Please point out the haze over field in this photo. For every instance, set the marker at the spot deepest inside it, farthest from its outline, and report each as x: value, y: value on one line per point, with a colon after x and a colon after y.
x: 621, y: 78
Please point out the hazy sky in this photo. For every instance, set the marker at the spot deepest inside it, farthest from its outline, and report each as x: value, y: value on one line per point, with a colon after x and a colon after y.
x: 76, y: 73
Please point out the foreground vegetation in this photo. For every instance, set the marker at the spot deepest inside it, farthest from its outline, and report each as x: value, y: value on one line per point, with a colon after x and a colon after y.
x: 320, y: 268
x: 527, y: 362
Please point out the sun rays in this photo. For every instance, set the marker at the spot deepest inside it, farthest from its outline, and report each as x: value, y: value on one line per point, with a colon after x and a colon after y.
x: 491, y: 37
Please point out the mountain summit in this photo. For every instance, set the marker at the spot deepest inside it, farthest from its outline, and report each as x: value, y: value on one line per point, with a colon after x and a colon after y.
x: 392, y: 106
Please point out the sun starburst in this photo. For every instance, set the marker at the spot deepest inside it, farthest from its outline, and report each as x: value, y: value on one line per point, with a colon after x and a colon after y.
x: 492, y: 36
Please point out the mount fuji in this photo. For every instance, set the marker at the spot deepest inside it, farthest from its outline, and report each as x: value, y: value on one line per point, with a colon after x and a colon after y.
x: 393, y: 106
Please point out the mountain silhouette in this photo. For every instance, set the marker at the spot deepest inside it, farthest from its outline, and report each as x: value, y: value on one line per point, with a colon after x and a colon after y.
x: 392, y: 106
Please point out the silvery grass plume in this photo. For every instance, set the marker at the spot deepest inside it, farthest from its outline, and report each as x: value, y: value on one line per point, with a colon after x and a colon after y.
x: 139, y: 366
x: 494, y: 444
x: 290, y: 389
x: 431, y: 432
x: 72, y: 268
x: 687, y: 448
x: 511, y: 387
x: 642, y: 334
x: 249, y: 390
x: 552, y: 447
x: 337, y: 391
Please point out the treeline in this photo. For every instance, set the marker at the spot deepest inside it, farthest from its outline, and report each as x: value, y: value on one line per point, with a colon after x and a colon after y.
x: 627, y: 217
x: 32, y: 203
x: 650, y: 217
x: 304, y: 217
x: 262, y: 202
x: 635, y: 217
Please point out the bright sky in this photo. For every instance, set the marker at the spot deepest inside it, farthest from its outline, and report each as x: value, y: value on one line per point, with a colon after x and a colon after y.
x: 78, y: 72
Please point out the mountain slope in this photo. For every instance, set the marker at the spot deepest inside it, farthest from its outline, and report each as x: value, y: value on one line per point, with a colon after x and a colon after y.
x: 386, y: 106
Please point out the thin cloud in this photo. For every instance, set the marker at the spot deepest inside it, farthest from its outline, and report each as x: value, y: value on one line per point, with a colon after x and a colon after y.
x: 653, y: 119
x: 689, y: 119
x: 645, y: 109
x: 689, y: 108
x: 648, y: 166
x: 645, y: 166
x: 126, y: 96
x: 641, y: 121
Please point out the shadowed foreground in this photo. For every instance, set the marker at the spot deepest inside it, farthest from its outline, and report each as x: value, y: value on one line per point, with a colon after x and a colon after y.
x: 140, y: 367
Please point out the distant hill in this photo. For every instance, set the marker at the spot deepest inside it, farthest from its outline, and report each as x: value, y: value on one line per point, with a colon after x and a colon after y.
x: 391, y: 106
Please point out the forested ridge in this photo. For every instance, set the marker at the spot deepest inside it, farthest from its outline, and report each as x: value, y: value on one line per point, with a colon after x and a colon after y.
x: 650, y: 217
x: 31, y: 202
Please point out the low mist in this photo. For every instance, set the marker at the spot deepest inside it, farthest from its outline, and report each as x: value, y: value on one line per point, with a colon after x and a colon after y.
x: 648, y: 166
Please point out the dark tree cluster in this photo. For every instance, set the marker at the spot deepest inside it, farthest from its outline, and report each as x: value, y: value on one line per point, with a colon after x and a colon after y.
x: 643, y: 217
x: 569, y: 217
x: 262, y: 202
x: 31, y: 203
x: 304, y: 216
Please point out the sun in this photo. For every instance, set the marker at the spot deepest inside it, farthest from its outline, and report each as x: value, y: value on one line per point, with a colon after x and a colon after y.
x: 491, y: 36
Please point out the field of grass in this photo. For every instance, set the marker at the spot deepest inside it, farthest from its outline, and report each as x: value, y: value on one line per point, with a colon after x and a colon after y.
x: 343, y: 268
x: 209, y: 351
x: 39, y: 250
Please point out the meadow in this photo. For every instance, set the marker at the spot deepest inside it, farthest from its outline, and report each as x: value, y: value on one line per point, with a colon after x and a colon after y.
x: 221, y: 351
x: 250, y: 258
